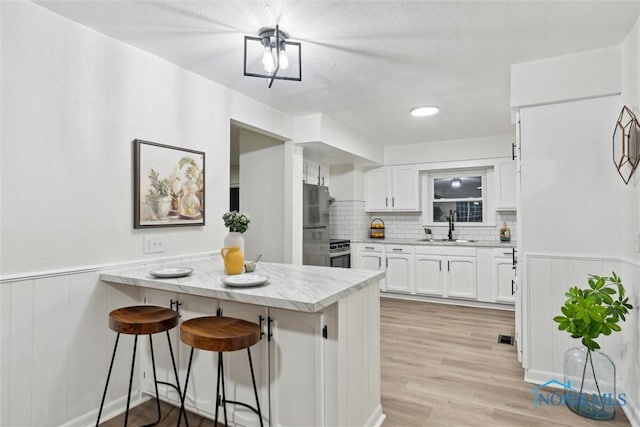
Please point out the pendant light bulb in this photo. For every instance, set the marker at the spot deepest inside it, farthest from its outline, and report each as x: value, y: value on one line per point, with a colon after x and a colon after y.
x: 267, y: 60
x: 284, y: 60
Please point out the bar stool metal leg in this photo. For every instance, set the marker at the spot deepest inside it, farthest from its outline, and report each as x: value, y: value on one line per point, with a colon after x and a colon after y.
x: 133, y: 362
x: 155, y: 383
x: 104, y: 394
x: 255, y: 389
x: 175, y: 372
x: 184, y: 395
x: 217, y: 388
x: 224, y: 397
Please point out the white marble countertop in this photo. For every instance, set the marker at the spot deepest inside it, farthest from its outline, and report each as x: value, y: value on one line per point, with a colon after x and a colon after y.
x: 476, y: 244
x: 294, y: 287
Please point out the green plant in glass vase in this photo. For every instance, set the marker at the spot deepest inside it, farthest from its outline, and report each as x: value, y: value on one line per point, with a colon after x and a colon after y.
x: 588, y: 313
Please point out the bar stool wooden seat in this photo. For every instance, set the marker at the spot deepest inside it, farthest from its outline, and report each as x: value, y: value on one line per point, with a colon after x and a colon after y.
x: 221, y: 334
x: 142, y: 320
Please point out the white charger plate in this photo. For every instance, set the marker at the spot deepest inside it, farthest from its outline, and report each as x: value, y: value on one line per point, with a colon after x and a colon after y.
x: 245, y: 280
x: 171, y: 272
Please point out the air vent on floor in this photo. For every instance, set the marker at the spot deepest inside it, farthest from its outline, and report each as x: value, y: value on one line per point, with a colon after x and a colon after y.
x: 505, y: 339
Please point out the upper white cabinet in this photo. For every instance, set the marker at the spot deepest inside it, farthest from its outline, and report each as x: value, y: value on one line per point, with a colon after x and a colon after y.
x: 315, y: 173
x: 506, y: 174
x: 392, y: 189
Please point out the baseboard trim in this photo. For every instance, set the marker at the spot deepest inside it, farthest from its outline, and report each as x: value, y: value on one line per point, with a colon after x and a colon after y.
x: 459, y: 302
x: 376, y: 418
x: 99, y: 267
x: 110, y: 410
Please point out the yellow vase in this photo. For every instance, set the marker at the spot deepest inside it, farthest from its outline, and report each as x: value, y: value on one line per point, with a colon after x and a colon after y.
x: 233, y: 260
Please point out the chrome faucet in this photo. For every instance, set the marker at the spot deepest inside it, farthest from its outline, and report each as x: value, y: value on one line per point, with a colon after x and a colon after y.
x: 451, y: 226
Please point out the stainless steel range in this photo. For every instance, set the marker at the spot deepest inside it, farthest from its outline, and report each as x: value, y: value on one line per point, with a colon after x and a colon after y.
x: 340, y: 253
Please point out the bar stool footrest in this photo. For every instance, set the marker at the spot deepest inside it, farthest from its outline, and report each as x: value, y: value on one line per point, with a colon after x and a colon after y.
x: 243, y: 404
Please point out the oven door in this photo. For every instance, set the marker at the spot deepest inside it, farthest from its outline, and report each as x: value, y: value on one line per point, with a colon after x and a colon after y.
x: 341, y: 259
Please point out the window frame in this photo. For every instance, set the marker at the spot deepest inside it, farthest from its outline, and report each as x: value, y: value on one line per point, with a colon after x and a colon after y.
x: 448, y: 174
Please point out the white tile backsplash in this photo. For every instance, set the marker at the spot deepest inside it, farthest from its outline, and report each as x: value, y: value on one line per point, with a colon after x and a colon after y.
x: 350, y: 221
x: 408, y: 225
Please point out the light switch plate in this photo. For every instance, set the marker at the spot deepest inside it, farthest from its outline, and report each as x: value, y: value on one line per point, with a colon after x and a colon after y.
x: 153, y: 245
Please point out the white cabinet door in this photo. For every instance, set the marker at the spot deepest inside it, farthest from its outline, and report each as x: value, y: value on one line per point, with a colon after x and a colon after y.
x: 429, y: 279
x: 404, y: 189
x: 296, y: 368
x: 371, y: 261
x: 399, y: 276
x: 376, y: 190
x: 503, y: 280
x: 506, y: 174
x: 238, y: 385
x: 462, y: 277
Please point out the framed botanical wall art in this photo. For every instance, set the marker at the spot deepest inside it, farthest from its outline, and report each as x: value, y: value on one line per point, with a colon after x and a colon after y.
x: 168, y: 185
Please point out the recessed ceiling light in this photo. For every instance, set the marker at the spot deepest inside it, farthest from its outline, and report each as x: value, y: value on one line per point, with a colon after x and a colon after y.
x: 424, y: 111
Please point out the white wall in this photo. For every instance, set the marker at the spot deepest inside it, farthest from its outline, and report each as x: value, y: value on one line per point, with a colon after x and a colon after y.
x: 262, y: 195
x: 72, y: 102
x: 452, y: 150
x: 572, y: 196
x: 565, y: 78
x: 320, y: 128
x: 347, y: 182
x: 577, y: 215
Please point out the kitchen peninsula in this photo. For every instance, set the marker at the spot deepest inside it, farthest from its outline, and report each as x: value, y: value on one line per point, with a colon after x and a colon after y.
x: 318, y: 362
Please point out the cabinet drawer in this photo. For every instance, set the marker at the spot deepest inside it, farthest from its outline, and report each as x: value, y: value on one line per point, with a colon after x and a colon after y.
x: 445, y: 250
x: 503, y: 252
x: 371, y: 247
x: 399, y: 249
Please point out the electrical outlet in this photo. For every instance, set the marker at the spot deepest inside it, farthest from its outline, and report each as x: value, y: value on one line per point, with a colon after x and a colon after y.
x: 153, y: 245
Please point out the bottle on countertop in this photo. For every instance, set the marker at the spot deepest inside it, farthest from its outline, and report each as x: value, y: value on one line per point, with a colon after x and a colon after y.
x: 505, y: 233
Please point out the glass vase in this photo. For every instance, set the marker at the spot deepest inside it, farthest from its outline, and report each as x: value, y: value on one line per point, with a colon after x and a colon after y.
x: 234, y: 238
x: 590, y: 383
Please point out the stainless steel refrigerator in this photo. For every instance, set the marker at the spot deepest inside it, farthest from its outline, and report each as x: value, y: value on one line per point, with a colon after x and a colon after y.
x: 315, y: 225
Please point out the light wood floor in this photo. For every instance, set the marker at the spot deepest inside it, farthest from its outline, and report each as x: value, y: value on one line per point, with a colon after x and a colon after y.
x: 441, y: 366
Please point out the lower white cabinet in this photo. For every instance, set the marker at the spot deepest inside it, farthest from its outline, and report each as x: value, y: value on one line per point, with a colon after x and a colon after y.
x: 429, y: 277
x: 461, y: 277
x: 399, y: 268
x: 371, y: 257
x: 496, y: 275
x: 445, y: 272
x: 296, y: 362
x: 292, y: 345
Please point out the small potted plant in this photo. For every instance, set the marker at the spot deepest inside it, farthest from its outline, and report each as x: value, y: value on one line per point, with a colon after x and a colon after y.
x: 427, y: 232
x: 237, y: 223
x: 586, y: 314
x: 159, y: 196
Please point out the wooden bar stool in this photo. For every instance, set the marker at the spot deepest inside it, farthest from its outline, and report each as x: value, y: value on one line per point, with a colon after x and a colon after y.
x: 220, y: 334
x: 142, y: 320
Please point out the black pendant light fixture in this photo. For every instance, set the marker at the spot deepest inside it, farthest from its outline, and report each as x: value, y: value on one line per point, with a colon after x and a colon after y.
x: 272, y: 56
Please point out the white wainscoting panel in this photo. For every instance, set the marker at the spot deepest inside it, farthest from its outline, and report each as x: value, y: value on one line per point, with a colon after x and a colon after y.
x: 548, y: 278
x: 56, y: 346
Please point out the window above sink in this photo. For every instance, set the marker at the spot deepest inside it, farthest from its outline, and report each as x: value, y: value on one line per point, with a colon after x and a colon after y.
x: 461, y: 191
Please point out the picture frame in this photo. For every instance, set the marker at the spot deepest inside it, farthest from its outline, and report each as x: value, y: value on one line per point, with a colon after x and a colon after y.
x: 168, y: 186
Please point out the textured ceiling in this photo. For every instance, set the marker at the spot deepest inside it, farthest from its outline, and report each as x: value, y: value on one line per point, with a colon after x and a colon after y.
x: 366, y: 63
